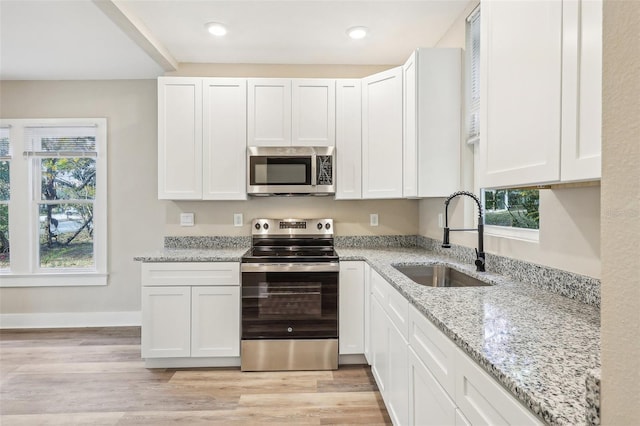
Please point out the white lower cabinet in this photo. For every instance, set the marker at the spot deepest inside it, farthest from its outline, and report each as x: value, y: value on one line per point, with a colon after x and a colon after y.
x: 182, y: 318
x: 429, y: 403
x: 351, y: 308
x: 424, y: 378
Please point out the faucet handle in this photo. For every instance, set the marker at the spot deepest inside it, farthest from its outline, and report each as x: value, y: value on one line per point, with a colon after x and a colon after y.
x: 480, y: 261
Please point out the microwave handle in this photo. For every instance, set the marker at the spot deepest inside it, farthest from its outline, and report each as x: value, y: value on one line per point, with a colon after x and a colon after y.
x: 314, y: 177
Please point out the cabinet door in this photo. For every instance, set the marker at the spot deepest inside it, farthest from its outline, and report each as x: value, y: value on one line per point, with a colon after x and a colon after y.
x: 429, y: 403
x: 410, y: 128
x: 269, y: 112
x: 379, y: 345
x: 166, y: 322
x: 351, y: 314
x: 313, y: 106
x: 348, y: 139
x: 382, y: 135
x: 367, y: 313
x: 224, y: 150
x: 215, y: 321
x: 521, y: 69
x: 179, y: 138
x: 581, y: 90
x: 397, y: 395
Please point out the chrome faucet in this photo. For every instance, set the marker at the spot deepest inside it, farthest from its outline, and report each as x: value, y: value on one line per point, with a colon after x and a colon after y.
x: 480, y: 255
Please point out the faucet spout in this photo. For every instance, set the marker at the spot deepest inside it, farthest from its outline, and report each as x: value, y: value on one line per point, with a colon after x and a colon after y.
x: 480, y: 255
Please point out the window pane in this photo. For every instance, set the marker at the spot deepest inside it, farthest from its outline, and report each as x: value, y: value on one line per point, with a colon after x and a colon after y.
x: 66, y: 235
x: 4, y: 236
x: 4, y: 181
x: 517, y: 208
x: 68, y: 178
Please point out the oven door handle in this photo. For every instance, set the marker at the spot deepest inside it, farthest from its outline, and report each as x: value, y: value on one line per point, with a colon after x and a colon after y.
x: 290, y: 267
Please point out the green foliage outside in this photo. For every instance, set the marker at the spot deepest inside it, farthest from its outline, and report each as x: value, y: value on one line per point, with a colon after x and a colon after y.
x: 4, y: 214
x: 519, y: 211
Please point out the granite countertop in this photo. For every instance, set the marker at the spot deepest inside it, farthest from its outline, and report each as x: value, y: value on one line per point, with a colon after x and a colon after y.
x: 233, y: 254
x: 539, y: 345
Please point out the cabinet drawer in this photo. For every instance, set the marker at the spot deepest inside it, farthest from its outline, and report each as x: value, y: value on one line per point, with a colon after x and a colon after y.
x: 379, y: 288
x: 190, y: 273
x: 483, y: 400
x: 433, y: 348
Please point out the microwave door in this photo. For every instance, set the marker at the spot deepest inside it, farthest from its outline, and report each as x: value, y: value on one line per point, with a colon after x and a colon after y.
x: 314, y: 176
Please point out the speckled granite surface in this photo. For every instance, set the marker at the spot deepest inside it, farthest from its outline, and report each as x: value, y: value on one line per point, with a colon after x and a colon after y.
x: 539, y: 345
x: 195, y: 255
x: 593, y: 397
x: 206, y: 242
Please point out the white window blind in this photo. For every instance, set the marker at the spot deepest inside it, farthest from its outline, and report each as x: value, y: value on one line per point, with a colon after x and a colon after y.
x: 473, y: 79
x: 63, y: 141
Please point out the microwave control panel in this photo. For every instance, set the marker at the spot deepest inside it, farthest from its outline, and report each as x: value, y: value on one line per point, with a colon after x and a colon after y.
x: 324, y: 169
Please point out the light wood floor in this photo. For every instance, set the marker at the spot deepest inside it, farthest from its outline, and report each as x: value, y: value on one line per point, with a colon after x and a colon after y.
x: 96, y: 377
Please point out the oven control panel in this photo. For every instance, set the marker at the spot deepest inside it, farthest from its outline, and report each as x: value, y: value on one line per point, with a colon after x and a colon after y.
x: 292, y: 227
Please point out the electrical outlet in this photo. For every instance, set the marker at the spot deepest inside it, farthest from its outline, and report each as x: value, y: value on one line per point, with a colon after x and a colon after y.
x: 187, y: 219
x: 237, y: 219
x: 373, y: 219
x: 440, y: 220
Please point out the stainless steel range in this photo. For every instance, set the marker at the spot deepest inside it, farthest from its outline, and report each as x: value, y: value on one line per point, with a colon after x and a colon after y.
x: 290, y: 296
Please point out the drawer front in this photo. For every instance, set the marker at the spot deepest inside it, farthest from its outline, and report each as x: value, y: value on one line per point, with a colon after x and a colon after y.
x: 483, y: 400
x: 433, y: 348
x: 379, y: 288
x: 398, y: 310
x: 191, y: 273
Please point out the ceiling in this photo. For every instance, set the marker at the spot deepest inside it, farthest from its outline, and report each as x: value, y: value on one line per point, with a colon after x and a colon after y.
x: 132, y: 39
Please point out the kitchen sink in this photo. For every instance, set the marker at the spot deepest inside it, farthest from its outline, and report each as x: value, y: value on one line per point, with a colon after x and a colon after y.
x: 439, y: 276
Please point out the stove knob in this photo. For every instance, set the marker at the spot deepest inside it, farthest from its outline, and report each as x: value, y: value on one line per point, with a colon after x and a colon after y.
x: 319, y: 226
x: 290, y: 330
x: 265, y: 226
x: 328, y: 225
x: 257, y: 225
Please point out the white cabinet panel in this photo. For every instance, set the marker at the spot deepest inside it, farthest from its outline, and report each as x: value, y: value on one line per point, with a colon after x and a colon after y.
x: 397, y: 391
x: 351, y: 308
x: 521, y: 70
x: 166, y: 322
x: 269, y: 112
x: 432, y: 114
x: 382, y: 135
x: 435, y: 349
x: 379, y: 345
x: 348, y: 139
x: 215, y: 319
x: 179, y: 138
x: 314, y: 112
x: 581, y: 90
x: 483, y: 400
x: 224, y: 150
x: 398, y: 310
x: 429, y: 403
x: 367, y: 313
x: 190, y: 273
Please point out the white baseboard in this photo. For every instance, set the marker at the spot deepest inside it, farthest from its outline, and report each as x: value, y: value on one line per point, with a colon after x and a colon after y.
x: 71, y: 320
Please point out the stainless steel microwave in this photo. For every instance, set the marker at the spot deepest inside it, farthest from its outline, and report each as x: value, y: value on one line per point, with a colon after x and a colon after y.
x: 291, y: 170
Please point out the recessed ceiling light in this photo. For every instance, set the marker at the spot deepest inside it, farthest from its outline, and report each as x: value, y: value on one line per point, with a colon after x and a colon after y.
x: 216, y: 28
x: 357, y: 33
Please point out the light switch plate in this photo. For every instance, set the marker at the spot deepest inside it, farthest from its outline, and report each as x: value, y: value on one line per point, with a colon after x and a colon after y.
x: 187, y: 219
x: 237, y: 219
x: 373, y: 219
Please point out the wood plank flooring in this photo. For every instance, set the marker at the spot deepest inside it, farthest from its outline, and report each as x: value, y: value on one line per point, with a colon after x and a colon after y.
x: 95, y: 376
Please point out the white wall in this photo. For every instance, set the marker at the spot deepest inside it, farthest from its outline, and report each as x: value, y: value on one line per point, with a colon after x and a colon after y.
x: 620, y: 398
x: 569, y: 218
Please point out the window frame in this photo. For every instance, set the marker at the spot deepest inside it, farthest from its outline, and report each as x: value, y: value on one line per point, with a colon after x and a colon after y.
x: 24, y: 227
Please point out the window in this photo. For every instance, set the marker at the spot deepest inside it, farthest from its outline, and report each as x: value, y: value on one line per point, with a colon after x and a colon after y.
x: 5, y: 193
x: 508, y: 212
x: 57, y: 231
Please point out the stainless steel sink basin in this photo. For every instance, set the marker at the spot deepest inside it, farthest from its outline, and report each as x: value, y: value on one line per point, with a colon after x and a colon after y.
x: 439, y: 276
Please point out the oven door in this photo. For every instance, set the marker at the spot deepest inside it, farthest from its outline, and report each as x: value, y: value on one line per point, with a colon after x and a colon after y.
x: 289, y: 301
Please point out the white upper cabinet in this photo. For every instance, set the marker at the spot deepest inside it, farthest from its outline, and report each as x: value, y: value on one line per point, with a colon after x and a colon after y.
x: 179, y: 138
x: 540, y: 92
x: 313, y: 107
x: 224, y: 150
x: 201, y: 138
x: 382, y: 135
x: 581, y: 90
x: 284, y: 112
x: 432, y: 97
x: 269, y: 112
x: 348, y: 139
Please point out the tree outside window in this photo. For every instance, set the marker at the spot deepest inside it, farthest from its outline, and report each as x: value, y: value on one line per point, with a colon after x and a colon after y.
x: 518, y: 208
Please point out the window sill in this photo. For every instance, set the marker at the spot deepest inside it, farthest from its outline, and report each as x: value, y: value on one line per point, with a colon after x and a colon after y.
x: 531, y: 235
x: 81, y: 279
